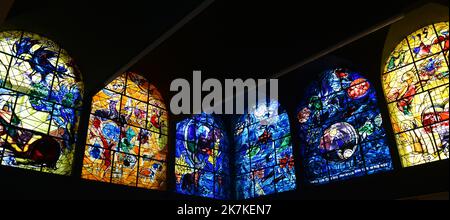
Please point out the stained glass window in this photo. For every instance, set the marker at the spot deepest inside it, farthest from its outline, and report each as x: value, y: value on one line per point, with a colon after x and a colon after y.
x: 416, y: 85
x: 40, y: 98
x: 263, y: 152
x: 202, y: 158
x: 127, y: 135
x: 341, y: 129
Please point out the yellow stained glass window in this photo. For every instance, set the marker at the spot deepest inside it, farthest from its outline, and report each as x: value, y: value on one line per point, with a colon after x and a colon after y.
x: 40, y: 98
x: 416, y: 84
x: 127, y: 135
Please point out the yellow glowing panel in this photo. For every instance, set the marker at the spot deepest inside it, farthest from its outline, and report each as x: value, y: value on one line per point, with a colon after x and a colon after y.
x: 97, y: 166
x: 7, y: 41
x: 133, y: 111
x: 33, y: 119
x: 152, y: 174
x: 416, y: 147
x: 439, y: 96
x: 442, y: 32
x: 157, y: 120
x: 157, y: 103
x: 118, y: 84
x: 18, y: 148
x: 65, y: 161
x: 418, y: 97
x: 407, y: 113
x: 7, y: 100
x: 154, y: 146
x: 40, y: 99
x: 106, y: 104
x: 433, y: 71
x: 422, y: 42
x: 4, y: 64
x: 125, y: 169
x: 437, y: 130
x: 400, y: 57
x: 401, y: 83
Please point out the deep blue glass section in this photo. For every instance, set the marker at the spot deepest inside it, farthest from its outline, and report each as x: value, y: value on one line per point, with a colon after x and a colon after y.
x: 264, y: 161
x: 202, y: 158
x: 341, y: 129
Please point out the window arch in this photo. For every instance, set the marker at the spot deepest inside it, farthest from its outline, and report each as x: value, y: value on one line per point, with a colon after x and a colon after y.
x: 263, y: 153
x: 202, y: 157
x: 416, y: 86
x: 127, y: 135
x: 341, y: 129
x: 40, y: 98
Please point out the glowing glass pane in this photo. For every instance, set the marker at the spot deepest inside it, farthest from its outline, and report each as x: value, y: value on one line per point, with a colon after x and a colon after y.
x: 137, y: 87
x: 417, y: 97
x: 201, y: 158
x: 40, y: 96
x: 400, y: 57
x: 133, y: 112
x: 423, y: 42
x: 341, y: 129
x: 263, y: 153
x: 122, y: 148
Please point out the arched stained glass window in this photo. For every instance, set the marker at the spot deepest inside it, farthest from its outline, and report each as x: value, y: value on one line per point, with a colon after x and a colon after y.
x: 202, y: 158
x: 40, y: 97
x: 416, y: 86
x: 341, y: 129
x: 263, y: 152
x: 127, y: 135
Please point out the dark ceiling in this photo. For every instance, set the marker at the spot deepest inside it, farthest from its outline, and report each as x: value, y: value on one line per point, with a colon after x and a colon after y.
x: 229, y: 39
x: 249, y: 39
x: 102, y: 36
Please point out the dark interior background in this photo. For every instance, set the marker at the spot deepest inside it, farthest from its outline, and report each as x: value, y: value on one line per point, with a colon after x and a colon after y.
x: 228, y: 39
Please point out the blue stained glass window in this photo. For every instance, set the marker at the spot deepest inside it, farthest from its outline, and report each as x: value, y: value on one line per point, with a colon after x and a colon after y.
x: 201, y: 161
x: 341, y: 129
x: 263, y: 152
